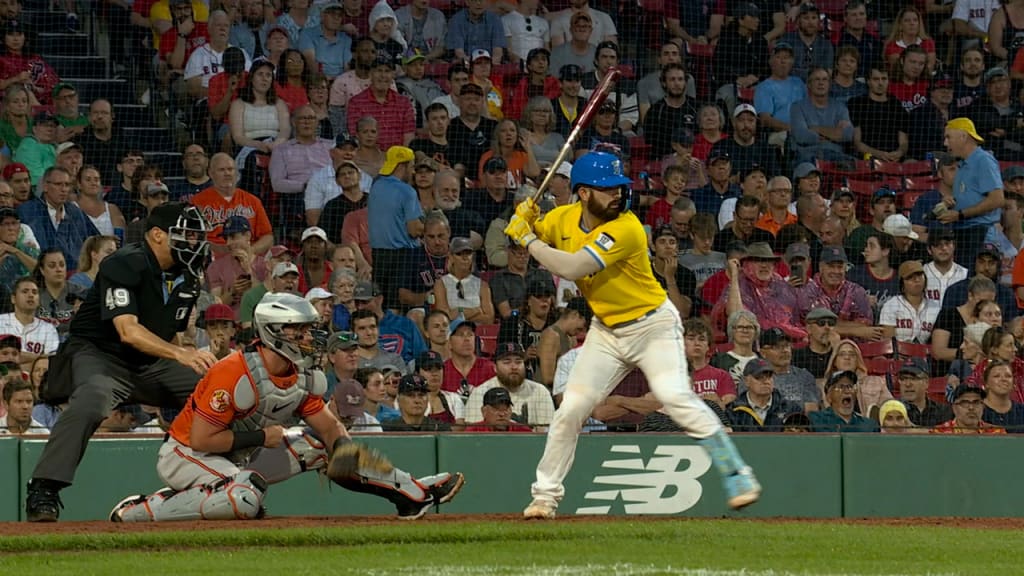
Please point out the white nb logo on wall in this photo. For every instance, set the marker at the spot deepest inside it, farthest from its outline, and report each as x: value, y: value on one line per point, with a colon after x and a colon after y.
x: 657, y: 487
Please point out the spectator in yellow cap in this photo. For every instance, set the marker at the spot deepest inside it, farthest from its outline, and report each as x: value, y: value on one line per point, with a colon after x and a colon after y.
x: 395, y: 221
x: 893, y: 418
x: 977, y: 188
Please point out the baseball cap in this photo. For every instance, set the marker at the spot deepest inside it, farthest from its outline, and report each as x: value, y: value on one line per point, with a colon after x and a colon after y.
x: 942, y: 80
x: 386, y: 61
x: 278, y: 28
x: 940, y: 235
x: 663, y: 230
x: 797, y: 250
x: 782, y: 45
x: 283, y: 268
x: 348, y: 163
x: 995, y: 72
x: 8, y: 213
x: 479, y: 54
x: 990, y: 249
x: 916, y: 366
x: 278, y: 250
x: 456, y: 324
x: 396, y: 155
x: 10, y: 341
x: 460, y: 245
x: 157, y: 188
x: 411, y: 384
x: 682, y: 136
x: 717, y: 154
x: 509, y: 349
x: 577, y: 16
x: 830, y: 254
x: 495, y: 164
x: 349, y: 397
x: 471, y: 88
x: 341, y: 341
x: 570, y: 72
x: 424, y: 161
x: 67, y: 146
x: 233, y: 225
x: 497, y: 396
x: 808, y: 8
x: 837, y: 376
x: 751, y: 169
x: 911, y: 267
x: 773, y: 336
x: 413, y: 55
x: 820, y: 314
x: 963, y: 389
x: 333, y: 5
x: 608, y: 105
x: 388, y: 369
x: 1012, y: 173
x: 757, y: 367
x: 537, y: 52
x: 883, y: 192
x: 44, y: 116
x: 428, y: 360
x: 805, y: 169
x: 366, y: 290
x: 944, y: 159
x: 345, y: 139
x: 606, y: 44
x: 966, y: 125
x: 62, y: 86
x: 564, y: 169
x: 218, y: 312
x: 318, y: 293
x: 744, y: 108
x: 843, y: 192
x: 747, y: 9
x: 540, y: 288
x: 898, y: 226
x: 14, y: 168
x: 13, y: 27
x: 313, y: 232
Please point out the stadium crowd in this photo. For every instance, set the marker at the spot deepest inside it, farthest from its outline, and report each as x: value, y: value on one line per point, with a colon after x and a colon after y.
x: 832, y: 196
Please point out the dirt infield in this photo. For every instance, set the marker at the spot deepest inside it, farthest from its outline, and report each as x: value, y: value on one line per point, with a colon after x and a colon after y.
x: 25, y: 529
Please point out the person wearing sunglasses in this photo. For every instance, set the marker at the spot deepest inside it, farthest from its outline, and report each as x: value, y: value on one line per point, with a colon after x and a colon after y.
x: 821, y: 340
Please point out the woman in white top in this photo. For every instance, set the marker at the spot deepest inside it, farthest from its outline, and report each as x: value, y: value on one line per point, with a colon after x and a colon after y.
x: 94, y: 250
x: 259, y: 119
x: 105, y: 216
x: 460, y: 292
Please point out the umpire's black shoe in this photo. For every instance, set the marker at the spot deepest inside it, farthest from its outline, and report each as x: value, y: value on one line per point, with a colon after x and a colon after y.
x: 42, y: 504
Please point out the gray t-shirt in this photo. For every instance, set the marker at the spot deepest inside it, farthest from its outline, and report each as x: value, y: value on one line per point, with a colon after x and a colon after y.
x: 564, y: 54
x: 798, y: 386
x: 649, y: 90
x: 384, y: 359
x: 703, y: 266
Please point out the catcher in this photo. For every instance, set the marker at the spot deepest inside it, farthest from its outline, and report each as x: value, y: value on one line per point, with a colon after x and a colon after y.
x: 239, y: 432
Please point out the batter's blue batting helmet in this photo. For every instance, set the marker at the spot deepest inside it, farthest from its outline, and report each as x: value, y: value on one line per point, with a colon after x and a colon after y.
x: 598, y: 169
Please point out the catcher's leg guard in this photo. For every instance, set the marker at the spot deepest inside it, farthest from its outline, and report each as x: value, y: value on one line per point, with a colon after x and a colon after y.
x: 301, y: 451
x: 239, y: 497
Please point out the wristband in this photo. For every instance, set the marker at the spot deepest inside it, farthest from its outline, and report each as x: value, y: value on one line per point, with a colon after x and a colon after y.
x: 251, y: 439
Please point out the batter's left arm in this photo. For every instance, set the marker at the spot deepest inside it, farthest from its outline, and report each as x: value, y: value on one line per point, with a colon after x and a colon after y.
x: 571, y: 266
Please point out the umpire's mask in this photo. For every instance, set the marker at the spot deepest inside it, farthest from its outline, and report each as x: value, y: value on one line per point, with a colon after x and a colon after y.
x: 189, y: 246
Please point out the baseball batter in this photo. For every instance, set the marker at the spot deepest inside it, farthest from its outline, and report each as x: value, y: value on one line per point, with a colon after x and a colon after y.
x: 239, y: 432
x: 600, y: 245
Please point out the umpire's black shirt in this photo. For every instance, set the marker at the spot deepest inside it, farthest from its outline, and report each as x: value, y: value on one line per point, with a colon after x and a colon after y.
x: 130, y: 281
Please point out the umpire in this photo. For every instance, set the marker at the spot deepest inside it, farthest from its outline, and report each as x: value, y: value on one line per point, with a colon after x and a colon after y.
x: 119, y: 348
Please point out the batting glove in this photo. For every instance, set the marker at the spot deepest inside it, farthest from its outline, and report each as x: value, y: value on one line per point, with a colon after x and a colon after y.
x: 528, y: 210
x: 520, y: 231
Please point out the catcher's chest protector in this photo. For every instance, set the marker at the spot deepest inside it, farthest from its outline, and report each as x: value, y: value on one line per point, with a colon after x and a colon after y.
x: 269, y: 404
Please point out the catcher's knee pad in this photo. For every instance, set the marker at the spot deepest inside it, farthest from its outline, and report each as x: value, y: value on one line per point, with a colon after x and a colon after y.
x: 300, y: 451
x: 237, y: 498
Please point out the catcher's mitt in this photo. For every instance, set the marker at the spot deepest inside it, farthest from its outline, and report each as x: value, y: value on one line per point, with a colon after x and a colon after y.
x: 348, y: 458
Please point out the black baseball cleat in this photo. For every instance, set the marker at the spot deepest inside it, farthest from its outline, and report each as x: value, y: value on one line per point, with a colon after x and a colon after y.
x: 42, y: 503
x: 439, y: 489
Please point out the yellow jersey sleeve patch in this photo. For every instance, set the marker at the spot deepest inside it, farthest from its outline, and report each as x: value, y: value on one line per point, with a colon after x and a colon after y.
x: 613, y: 241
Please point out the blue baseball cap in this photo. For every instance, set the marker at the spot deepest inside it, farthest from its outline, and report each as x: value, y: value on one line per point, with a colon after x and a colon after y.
x: 234, y: 225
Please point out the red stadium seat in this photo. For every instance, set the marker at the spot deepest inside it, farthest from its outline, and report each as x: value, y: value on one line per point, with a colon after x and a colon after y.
x: 912, y: 350
x: 907, y: 198
x: 918, y: 168
x: 856, y: 169
x: 876, y: 349
x: 488, y: 336
x: 879, y: 366
x: 937, y: 389
x: 862, y: 187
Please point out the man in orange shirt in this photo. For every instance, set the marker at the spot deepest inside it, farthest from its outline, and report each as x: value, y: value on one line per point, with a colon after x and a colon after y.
x: 240, y: 431
x: 223, y: 200
x: 777, y: 214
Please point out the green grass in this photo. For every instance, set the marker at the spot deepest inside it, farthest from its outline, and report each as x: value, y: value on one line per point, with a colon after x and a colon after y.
x: 624, y: 547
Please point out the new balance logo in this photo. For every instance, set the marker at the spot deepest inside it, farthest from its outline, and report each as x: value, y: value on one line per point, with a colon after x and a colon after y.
x: 664, y: 485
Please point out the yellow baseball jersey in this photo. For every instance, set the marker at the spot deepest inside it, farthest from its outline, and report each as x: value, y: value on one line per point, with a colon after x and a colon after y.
x: 624, y: 288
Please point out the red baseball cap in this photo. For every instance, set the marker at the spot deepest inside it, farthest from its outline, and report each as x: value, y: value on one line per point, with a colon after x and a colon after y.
x: 10, y: 341
x: 276, y: 251
x: 217, y: 312
x: 14, y: 168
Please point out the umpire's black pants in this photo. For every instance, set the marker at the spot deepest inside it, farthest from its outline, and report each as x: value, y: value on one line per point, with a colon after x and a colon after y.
x: 97, y: 382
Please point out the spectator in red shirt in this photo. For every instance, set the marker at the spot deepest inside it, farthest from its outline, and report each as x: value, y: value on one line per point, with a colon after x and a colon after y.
x: 179, y: 41
x: 910, y: 86
x: 465, y: 370
x: 497, y: 413
x: 396, y: 121
x: 707, y: 381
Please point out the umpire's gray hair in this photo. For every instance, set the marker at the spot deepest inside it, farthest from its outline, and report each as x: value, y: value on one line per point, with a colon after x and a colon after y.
x: 735, y: 318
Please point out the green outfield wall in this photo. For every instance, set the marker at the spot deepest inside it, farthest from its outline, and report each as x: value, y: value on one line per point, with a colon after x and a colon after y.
x: 820, y: 475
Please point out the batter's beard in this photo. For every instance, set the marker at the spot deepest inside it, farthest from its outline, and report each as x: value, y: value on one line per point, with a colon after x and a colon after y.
x: 604, y: 213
